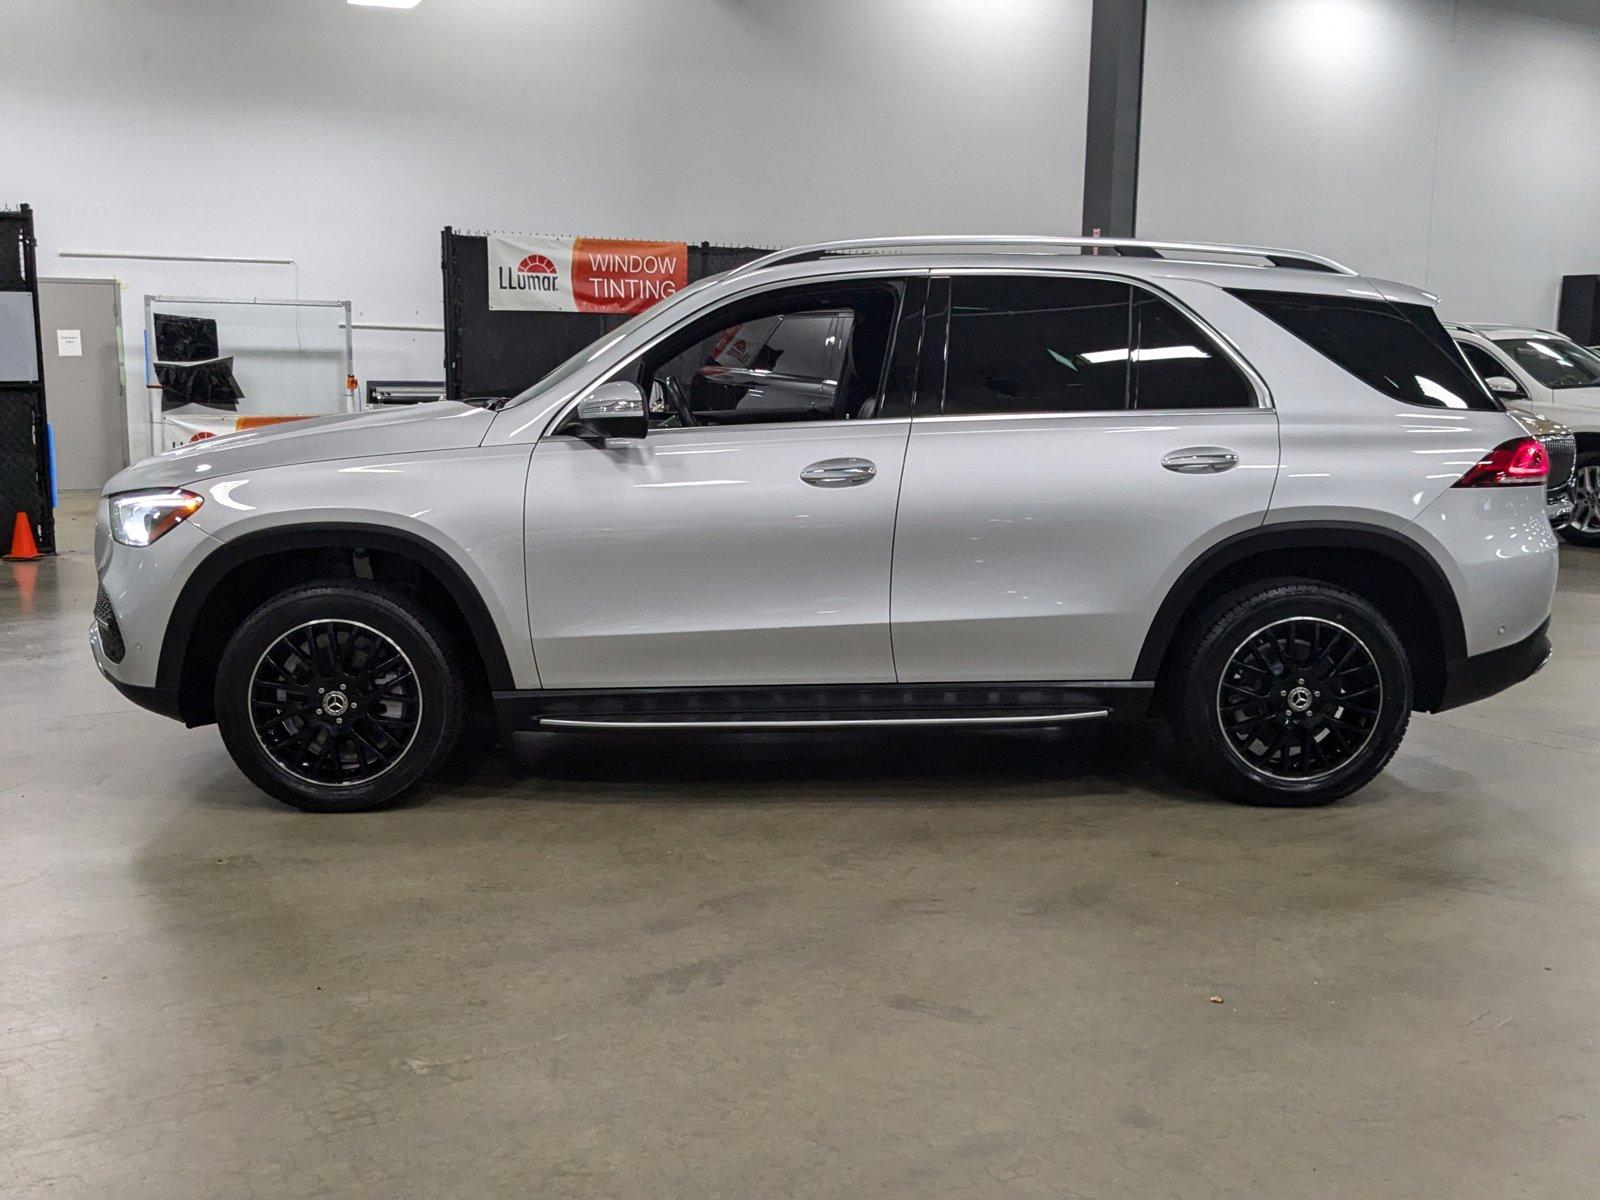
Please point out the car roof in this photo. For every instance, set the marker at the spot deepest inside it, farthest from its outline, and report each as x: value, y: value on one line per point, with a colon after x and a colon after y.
x: 1224, y: 266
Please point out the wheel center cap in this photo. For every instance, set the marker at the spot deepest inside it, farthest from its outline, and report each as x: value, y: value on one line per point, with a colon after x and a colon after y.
x: 335, y: 704
x: 1299, y: 699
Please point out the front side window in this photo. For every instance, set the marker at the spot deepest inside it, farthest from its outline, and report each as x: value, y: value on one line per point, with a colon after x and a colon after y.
x: 1040, y: 344
x: 1402, y: 350
x: 1485, y: 364
x: 1555, y: 362
x: 805, y: 354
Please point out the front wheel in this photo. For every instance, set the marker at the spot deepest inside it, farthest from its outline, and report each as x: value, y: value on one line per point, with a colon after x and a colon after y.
x: 1293, y: 693
x: 1584, y: 528
x: 338, y: 696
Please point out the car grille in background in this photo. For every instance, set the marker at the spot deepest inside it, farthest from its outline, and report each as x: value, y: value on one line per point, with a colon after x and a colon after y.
x: 1563, y: 450
x: 110, y: 635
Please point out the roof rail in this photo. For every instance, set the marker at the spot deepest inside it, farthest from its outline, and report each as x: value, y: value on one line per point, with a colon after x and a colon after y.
x: 1130, y: 247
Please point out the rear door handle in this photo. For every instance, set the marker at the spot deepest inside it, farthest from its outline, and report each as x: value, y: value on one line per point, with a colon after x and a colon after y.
x: 839, y: 472
x: 1200, y: 460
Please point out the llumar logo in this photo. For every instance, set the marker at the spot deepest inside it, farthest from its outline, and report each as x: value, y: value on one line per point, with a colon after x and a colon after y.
x: 535, y: 273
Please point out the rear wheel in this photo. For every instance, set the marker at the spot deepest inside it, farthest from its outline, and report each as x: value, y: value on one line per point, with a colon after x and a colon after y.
x: 1584, y: 528
x: 1294, y: 693
x: 338, y: 697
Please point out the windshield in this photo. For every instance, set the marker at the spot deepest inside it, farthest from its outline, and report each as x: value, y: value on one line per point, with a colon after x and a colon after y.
x: 1554, y: 361
x: 605, y: 340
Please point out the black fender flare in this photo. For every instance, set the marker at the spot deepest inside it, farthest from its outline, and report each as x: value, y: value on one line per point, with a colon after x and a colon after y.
x: 1303, y: 535
x: 235, y: 552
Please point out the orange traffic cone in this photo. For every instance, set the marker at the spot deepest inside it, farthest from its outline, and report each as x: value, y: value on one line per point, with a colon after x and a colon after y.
x: 23, y: 547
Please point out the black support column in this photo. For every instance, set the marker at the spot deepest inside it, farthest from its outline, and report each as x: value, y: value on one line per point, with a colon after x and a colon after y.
x: 1111, y: 154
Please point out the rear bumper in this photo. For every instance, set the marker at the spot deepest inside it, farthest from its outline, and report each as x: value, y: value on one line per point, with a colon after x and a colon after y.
x: 1470, y: 679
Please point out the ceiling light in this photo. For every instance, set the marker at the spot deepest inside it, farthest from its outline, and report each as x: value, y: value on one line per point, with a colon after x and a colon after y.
x: 386, y: 3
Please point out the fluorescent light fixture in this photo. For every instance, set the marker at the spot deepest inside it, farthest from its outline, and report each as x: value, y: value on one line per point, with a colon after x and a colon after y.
x: 386, y: 3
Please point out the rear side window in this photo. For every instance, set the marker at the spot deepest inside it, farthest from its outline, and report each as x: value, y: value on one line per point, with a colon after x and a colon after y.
x: 1032, y: 344
x: 1400, y: 349
x: 1027, y: 344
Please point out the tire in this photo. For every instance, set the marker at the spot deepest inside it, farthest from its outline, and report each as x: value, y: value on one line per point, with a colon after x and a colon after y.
x: 1301, y: 746
x: 1584, y: 528
x: 279, y: 681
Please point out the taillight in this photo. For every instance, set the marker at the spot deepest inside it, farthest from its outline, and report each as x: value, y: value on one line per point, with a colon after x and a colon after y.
x: 1516, y: 463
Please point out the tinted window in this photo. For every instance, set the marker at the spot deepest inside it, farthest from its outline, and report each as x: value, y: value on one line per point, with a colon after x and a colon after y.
x: 794, y: 355
x: 1554, y: 362
x: 1400, y: 349
x: 1481, y: 361
x: 1177, y: 366
x: 1486, y: 365
x: 1026, y: 344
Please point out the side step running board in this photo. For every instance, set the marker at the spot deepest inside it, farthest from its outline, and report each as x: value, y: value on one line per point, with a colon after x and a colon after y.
x: 1054, y: 718
x: 824, y: 706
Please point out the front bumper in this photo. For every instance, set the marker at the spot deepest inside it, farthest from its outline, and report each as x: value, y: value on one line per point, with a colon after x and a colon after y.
x: 139, y: 587
x: 1558, y: 506
x: 1482, y: 675
x: 156, y: 699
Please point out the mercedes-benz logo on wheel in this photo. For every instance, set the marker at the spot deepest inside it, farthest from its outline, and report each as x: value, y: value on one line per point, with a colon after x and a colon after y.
x: 335, y: 704
x: 1300, y: 698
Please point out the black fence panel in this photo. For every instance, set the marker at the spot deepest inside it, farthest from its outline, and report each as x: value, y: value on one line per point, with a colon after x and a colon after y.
x: 24, y: 446
x: 490, y: 353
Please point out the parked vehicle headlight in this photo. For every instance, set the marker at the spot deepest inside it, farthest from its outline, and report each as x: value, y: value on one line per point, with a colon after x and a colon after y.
x: 139, y: 518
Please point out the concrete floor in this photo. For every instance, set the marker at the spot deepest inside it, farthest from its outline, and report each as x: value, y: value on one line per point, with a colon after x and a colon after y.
x: 921, y: 965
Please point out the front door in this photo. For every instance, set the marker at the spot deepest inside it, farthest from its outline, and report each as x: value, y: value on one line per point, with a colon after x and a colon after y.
x: 1092, y: 440
x: 747, y: 539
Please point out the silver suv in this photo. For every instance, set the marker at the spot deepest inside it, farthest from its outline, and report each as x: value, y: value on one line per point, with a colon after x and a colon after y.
x: 920, y: 481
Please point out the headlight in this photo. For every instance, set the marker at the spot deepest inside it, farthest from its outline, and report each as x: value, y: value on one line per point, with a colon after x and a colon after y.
x: 139, y: 518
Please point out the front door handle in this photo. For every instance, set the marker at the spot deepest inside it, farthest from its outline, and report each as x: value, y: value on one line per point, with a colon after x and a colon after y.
x: 839, y: 472
x: 1200, y: 460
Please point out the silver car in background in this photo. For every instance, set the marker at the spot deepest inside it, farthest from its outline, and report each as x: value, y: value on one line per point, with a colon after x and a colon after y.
x: 944, y: 481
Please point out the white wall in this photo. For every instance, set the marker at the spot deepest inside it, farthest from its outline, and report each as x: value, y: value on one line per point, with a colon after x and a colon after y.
x: 346, y: 138
x: 1452, y: 145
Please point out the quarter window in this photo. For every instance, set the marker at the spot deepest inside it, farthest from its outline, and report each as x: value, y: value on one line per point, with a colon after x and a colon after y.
x: 1402, y: 350
x: 1052, y: 344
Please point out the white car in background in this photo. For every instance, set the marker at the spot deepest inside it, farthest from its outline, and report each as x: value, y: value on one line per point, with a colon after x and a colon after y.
x: 1558, y: 379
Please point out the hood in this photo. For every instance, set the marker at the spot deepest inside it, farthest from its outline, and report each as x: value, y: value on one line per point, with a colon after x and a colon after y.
x: 1536, y: 424
x: 444, y: 425
x: 1585, y: 397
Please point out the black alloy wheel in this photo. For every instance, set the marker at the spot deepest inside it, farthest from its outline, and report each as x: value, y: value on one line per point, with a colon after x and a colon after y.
x: 335, y: 703
x: 1287, y: 692
x: 1299, y: 698
x: 340, y: 696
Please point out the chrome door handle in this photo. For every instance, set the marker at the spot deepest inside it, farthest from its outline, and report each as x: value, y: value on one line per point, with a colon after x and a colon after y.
x: 839, y: 472
x: 1200, y: 460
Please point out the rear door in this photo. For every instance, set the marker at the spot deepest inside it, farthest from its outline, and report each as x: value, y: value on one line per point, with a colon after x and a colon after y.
x: 1089, y: 441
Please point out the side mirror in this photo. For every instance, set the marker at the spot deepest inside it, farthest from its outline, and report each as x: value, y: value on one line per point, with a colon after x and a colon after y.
x: 614, y: 410
x: 1503, y: 385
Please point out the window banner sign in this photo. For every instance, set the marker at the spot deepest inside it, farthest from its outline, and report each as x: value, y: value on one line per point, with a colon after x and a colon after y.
x: 585, y: 275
